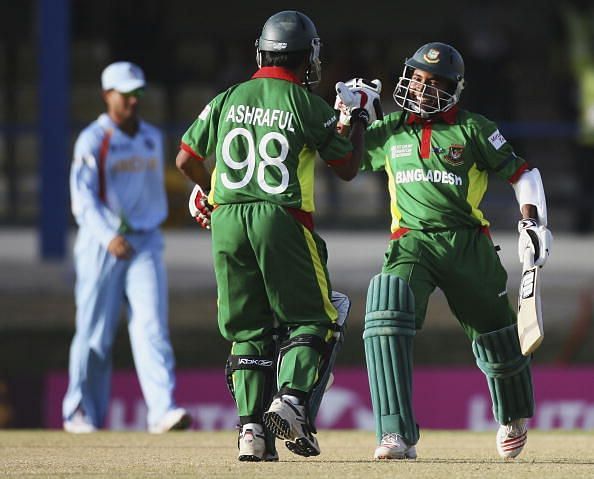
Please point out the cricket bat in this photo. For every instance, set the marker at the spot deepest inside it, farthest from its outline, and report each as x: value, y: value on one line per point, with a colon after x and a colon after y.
x: 530, y: 328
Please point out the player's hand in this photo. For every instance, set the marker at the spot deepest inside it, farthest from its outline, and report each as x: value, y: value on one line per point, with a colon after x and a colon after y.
x: 199, y: 207
x: 120, y: 248
x: 537, y: 239
x: 359, y: 100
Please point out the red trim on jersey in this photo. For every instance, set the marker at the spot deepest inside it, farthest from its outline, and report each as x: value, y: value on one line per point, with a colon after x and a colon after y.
x: 279, y: 73
x: 426, y: 141
x: 399, y: 233
x: 516, y: 176
x: 305, y: 218
x: 486, y: 231
x: 448, y: 117
x: 341, y: 161
x: 188, y: 149
x: 103, y: 149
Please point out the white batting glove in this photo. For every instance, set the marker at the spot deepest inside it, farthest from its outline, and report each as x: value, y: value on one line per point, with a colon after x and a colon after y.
x: 536, y: 239
x: 344, y: 117
x: 356, y: 94
x: 199, y: 207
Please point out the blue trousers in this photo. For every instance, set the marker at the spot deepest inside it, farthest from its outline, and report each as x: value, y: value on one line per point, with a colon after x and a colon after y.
x: 103, y: 285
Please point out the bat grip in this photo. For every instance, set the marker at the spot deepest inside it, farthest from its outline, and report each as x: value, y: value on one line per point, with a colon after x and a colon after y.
x: 528, y: 259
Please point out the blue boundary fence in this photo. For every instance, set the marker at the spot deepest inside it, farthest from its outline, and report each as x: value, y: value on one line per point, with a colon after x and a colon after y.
x: 53, y: 127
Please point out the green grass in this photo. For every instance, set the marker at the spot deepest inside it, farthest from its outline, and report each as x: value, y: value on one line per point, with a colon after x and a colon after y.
x: 345, y: 455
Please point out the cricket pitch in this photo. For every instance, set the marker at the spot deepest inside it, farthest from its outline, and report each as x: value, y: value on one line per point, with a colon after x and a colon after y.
x: 345, y: 454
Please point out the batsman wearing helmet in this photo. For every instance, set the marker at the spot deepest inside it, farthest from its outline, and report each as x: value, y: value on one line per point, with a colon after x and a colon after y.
x: 270, y: 264
x: 437, y: 158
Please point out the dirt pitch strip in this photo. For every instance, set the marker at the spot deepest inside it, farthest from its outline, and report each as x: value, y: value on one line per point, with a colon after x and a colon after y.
x: 345, y: 454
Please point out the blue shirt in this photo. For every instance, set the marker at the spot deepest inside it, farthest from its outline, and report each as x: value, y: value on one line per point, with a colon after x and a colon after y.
x: 117, y: 180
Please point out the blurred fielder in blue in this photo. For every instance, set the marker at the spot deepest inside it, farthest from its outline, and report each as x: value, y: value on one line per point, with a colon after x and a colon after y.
x: 119, y: 202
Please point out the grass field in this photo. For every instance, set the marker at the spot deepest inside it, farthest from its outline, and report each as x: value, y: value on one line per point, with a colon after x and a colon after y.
x: 345, y: 454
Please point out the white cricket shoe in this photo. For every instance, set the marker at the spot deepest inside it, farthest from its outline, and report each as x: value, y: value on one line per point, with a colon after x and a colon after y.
x: 174, y: 420
x: 511, y: 438
x: 393, y: 446
x: 79, y: 423
x: 251, y: 442
x: 288, y: 421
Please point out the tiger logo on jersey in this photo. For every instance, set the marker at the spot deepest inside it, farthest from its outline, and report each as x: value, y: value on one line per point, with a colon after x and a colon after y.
x: 455, y: 155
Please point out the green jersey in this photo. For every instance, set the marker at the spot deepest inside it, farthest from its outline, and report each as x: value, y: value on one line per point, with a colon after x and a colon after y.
x: 266, y: 133
x: 437, y: 171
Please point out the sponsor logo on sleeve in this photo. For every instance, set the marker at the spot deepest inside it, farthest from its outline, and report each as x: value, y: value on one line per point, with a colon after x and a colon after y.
x: 204, y: 113
x: 497, y: 140
x: 330, y: 121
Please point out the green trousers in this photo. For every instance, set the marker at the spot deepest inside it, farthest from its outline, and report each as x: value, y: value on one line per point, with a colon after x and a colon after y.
x: 465, y: 266
x: 270, y: 271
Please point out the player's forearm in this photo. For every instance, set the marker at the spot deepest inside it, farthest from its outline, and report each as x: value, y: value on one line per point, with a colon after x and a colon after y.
x: 349, y: 169
x: 529, y: 211
x: 529, y: 192
x: 91, y: 217
x: 193, y: 169
x: 357, y: 138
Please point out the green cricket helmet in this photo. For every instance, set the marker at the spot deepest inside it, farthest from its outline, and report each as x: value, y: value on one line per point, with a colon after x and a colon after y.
x: 441, y: 60
x: 292, y: 31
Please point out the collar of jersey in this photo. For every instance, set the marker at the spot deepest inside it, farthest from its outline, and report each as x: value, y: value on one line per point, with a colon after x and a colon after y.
x: 108, y: 124
x: 277, y: 72
x: 448, y: 117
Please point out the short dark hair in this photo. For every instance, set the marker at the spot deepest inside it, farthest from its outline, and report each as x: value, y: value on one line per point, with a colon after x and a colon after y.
x: 290, y: 60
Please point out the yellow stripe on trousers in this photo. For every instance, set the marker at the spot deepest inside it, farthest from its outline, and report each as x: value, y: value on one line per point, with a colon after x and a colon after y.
x: 321, y: 277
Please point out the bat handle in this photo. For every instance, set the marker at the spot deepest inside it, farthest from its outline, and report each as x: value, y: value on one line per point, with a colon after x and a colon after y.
x: 528, y: 259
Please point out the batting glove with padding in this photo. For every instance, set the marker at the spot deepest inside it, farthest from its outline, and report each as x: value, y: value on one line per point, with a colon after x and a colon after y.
x: 359, y: 100
x: 199, y: 207
x: 537, y: 239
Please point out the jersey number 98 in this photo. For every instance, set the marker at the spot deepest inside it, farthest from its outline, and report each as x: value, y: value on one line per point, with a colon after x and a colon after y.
x: 249, y: 164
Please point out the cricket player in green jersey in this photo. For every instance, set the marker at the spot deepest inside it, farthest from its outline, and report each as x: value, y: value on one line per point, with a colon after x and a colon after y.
x: 437, y: 158
x: 270, y: 264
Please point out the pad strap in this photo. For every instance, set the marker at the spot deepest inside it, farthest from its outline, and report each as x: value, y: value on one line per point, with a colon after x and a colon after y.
x: 236, y: 362
x: 310, y: 340
x: 505, y: 369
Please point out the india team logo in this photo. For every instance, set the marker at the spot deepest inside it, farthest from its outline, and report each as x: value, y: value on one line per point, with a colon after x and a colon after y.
x: 454, y: 156
x: 432, y: 56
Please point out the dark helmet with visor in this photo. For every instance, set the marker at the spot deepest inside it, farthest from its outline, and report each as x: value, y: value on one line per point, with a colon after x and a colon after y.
x: 441, y: 60
x: 292, y: 31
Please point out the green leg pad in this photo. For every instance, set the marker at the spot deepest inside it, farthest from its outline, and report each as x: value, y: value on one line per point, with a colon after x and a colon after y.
x: 250, y: 384
x: 388, y: 339
x: 499, y: 356
x: 253, y: 386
